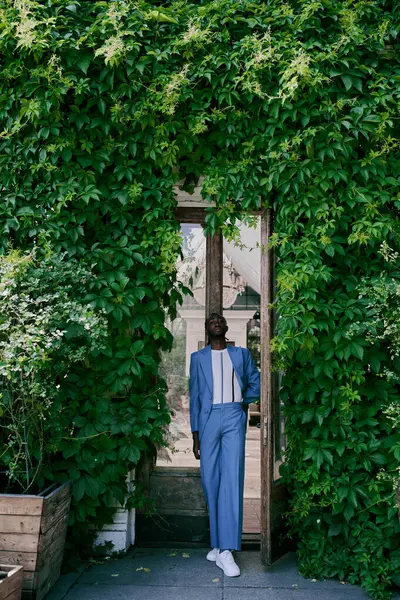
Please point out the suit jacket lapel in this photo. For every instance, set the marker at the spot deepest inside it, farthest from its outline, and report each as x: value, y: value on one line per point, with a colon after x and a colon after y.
x: 237, y: 361
x: 205, y: 362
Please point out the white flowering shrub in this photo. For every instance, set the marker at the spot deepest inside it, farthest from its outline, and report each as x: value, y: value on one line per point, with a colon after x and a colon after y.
x: 46, y: 327
x: 381, y: 295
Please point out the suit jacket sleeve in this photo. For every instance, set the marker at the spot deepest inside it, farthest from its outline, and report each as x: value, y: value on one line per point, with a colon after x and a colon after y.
x: 252, y: 392
x: 194, y: 394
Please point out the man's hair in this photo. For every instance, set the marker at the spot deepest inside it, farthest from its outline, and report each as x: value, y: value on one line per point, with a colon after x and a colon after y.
x: 213, y: 316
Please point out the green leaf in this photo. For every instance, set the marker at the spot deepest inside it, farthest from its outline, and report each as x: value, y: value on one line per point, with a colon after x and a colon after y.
x: 328, y: 456
x: 146, y: 360
x: 348, y: 512
x: 307, y: 415
x: 347, y: 82
x: 79, y: 489
x: 91, y: 486
x: 328, y: 369
x: 137, y: 321
x: 66, y: 154
x: 137, y: 347
x: 83, y: 62
x: 340, y: 448
x: 378, y: 459
x: 25, y: 211
x: 372, y: 119
x: 335, y: 529
x: 161, y: 17
x: 136, y: 369
x: 357, y: 350
x: 101, y: 106
x: 352, y: 498
x: 375, y: 363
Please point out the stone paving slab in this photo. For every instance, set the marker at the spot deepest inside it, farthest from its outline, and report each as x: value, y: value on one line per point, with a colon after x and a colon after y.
x: 240, y: 593
x: 167, y: 568
x: 281, y: 574
x: 165, y: 574
x: 135, y: 592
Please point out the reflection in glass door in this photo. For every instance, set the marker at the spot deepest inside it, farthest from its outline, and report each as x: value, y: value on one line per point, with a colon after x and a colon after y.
x: 188, y: 332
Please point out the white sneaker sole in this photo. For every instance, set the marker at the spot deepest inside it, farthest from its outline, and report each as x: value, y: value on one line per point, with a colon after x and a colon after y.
x: 211, y: 559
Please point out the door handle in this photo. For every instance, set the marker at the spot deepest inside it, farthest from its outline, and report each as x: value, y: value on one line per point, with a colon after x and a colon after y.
x: 265, y: 432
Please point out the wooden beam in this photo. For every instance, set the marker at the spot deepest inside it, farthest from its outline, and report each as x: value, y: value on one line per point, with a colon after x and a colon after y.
x: 266, y: 400
x: 214, y: 274
x: 192, y: 214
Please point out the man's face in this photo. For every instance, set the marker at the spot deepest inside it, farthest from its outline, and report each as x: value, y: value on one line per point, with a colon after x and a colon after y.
x: 216, y: 326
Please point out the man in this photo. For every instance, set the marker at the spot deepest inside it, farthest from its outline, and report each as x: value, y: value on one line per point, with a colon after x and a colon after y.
x: 223, y: 381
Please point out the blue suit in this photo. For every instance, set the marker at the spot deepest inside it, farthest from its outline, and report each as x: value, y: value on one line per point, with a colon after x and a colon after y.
x: 222, y: 430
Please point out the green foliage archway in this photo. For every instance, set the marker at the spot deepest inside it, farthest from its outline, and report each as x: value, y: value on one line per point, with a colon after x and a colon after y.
x: 104, y: 106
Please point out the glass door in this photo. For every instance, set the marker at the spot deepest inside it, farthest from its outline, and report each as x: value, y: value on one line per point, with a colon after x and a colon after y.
x: 273, y: 493
x: 226, y: 278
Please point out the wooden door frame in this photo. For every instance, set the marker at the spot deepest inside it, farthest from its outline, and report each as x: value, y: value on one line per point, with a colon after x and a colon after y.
x: 267, y: 457
x: 214, y: 303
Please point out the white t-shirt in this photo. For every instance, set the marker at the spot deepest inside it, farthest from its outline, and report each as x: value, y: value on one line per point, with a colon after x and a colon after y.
x: 226, y: 387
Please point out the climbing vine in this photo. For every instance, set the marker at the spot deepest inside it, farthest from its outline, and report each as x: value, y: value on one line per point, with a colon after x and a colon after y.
x: 104, y: 107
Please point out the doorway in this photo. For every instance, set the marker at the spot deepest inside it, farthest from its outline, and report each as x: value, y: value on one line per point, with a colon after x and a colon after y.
x: 232, y: 280
x: 241, y: 308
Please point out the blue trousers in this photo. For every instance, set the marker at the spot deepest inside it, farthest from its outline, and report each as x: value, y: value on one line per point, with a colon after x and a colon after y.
x: 222, y: 449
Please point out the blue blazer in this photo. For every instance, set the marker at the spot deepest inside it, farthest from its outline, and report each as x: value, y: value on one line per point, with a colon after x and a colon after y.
x: 201, y: 382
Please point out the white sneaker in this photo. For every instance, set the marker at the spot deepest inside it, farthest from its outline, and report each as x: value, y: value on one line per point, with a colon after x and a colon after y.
x: 212, y: 555
x: 226, y: 562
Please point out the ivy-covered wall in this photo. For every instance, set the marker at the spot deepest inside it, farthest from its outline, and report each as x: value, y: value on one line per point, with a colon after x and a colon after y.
x: 103, y: 107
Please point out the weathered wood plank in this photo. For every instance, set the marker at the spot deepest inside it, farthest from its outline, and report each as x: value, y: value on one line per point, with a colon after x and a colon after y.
x: 16, y: 542
x: 183, y: 511
x: 266, y: 403
x: 50, y: 567
x: 19, y: 524
x: 169, y: 493
x: 55, y: 505
x: 25, y: 559
x: 20, y: 505
x: 52, y: 550
x: 176, y: 472
x: 10, y: 588
x: 191, y: 215
x: 36, y: 579
x: 50, y: 581
x: 57, y: 530
x: 51, y: 518
x: 34, y: 561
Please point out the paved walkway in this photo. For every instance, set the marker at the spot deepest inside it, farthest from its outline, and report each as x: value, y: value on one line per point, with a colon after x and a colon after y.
x: 164, y: 574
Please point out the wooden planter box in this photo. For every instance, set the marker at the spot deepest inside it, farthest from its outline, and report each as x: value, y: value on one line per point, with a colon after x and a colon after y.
x: 32, y: 534
x: 10, y: 587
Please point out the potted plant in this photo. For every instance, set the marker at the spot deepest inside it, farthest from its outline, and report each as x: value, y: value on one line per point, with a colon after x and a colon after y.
x: 46, y: 328
x: 10, y: 582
